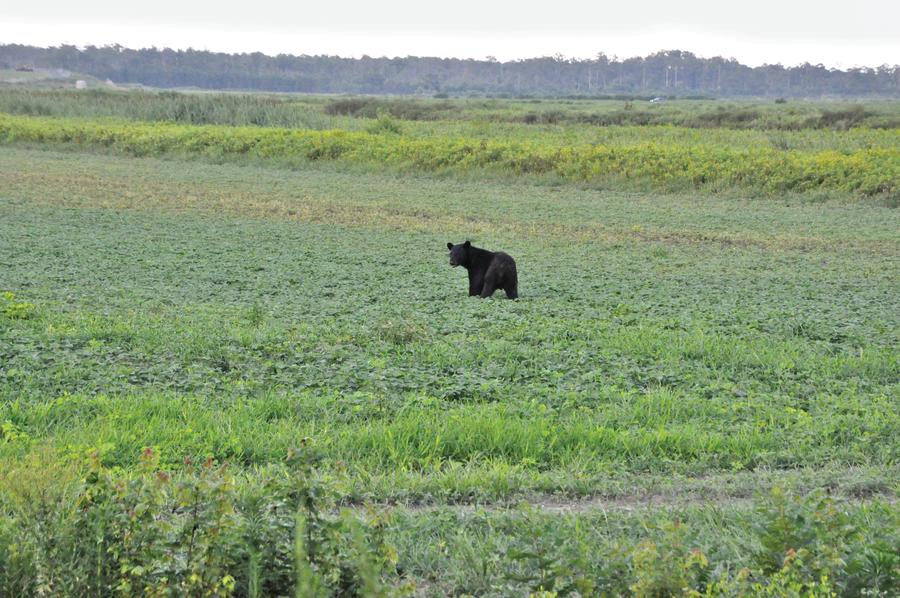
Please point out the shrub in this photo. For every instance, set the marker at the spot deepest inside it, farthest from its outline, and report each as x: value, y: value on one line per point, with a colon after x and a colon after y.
x: 841, y: 119
x: 385, y: 124
x: 189, y: 532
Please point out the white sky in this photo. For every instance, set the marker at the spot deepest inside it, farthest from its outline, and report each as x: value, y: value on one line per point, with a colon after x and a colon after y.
x: 837, y: 34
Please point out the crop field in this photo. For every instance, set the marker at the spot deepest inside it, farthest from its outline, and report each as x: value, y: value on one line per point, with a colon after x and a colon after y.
x: 231, y: 365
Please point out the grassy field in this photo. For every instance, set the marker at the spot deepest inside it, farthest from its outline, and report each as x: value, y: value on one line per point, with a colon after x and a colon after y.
x: 695, y: 392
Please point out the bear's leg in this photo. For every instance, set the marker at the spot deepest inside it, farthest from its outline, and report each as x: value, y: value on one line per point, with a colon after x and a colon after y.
x: 512, y: 292
x: 476, y: 283
x: 490, y: 285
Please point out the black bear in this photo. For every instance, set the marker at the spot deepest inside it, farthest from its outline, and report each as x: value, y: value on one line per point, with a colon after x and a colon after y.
x: 488, y: 270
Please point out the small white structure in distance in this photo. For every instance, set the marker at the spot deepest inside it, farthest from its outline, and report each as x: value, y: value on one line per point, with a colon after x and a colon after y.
x: 81, y: 84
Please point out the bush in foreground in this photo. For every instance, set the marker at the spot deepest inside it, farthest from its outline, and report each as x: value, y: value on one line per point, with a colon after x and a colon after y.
x: 192, y: 532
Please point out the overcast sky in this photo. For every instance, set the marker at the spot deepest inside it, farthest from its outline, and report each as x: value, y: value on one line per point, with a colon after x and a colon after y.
x: 837, y: 34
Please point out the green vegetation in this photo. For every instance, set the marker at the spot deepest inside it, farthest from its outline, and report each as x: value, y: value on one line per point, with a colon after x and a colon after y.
x: 666, y: 164
x: 324, y: 112
x: 189, y: 108
x: 701, y: 114
x: 201, y: 530
x: 241, y: 378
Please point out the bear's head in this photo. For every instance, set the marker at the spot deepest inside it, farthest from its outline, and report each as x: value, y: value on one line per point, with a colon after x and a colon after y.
x: 459, y: 254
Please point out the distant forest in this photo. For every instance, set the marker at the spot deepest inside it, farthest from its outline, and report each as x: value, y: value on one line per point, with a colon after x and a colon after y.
x: 670, y: 73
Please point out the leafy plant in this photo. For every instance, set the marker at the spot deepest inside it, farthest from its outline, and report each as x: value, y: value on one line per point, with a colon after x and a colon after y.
x: 668, y: 566
x: 385, y: 124
x: 156, y: 532
x: 15, y: 309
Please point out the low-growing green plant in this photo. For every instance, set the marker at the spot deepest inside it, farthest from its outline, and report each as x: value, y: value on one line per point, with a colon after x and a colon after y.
x: 14, y: 309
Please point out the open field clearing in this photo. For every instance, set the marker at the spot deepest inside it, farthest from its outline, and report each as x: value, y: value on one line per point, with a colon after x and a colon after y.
x: 694, y: 392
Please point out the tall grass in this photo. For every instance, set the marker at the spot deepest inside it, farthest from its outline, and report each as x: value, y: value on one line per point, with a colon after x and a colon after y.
x: 312, y: 112
x: 167, y: 106
x: 668, y: 167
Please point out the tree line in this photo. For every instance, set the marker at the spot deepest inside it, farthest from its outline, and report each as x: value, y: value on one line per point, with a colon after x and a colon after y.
x: 671, y: 73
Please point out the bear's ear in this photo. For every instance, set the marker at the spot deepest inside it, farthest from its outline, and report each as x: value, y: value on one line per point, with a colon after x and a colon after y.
x: 449, y: 245
x: 467, y: 243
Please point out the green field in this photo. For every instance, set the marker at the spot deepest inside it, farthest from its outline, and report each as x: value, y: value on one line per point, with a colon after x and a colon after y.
x: 698, y: 390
